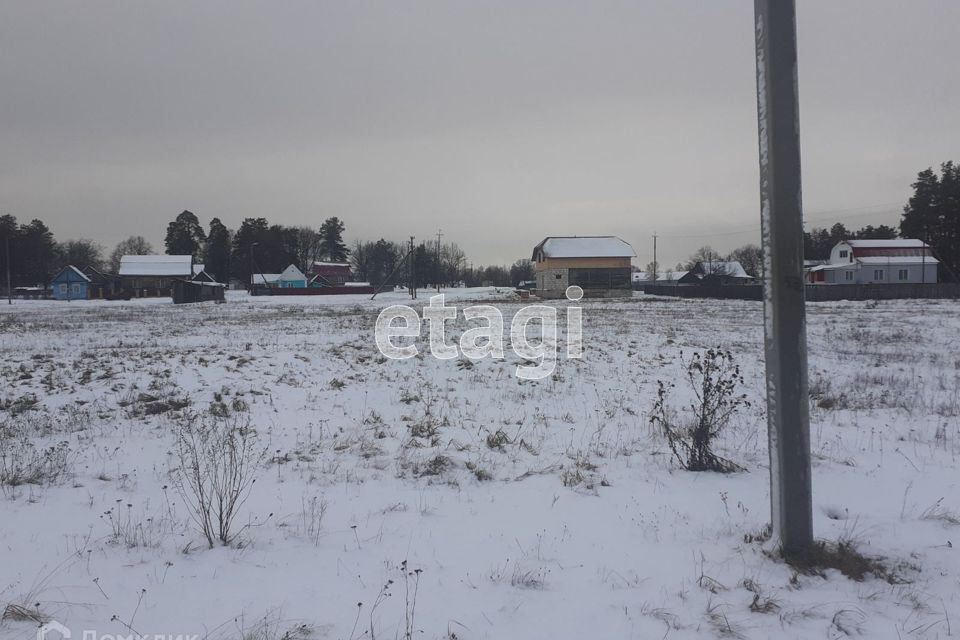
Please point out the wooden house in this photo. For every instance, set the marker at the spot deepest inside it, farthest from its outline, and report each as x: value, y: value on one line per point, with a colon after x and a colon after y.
x: 326, y: 274
x: 187, y: 291
x: 289, y: 278
x: 70, y: 284
x: 153, y: 275
x: 103, y: 286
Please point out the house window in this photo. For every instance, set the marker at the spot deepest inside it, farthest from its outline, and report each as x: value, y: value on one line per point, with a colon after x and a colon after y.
x: 63, y: 289
x: 843, y: 253
x: 902, y: 274
x: 558, y: 276
x: 848, y: 275
x: 878, y: 274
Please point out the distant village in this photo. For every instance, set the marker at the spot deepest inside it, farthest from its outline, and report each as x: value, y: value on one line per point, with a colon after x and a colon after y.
x: 919, y: 260
x: 600, y: 265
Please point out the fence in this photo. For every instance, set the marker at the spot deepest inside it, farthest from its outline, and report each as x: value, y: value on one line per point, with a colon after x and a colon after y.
x: 310, y: 291
x: 815, y: 292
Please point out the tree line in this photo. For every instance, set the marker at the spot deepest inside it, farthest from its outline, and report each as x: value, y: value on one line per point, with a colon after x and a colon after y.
x: 932, y: 214
x: 256, y: 246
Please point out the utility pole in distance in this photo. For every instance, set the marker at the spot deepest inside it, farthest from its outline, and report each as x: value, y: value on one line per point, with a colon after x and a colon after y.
x: 412, y: 284
x: 784, y: 307
x: 439, y: 234
x: 6, y: 242
x: 656, y: 267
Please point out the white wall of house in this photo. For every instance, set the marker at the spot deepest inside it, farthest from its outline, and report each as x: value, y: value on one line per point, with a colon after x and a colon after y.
x: 897, y: 273
x: 841, y: 252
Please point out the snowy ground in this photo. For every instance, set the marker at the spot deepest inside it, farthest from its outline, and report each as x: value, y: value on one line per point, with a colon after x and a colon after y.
x: 499, y: 508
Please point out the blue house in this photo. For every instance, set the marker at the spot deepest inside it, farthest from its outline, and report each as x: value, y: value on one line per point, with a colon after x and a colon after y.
x: 292, y: 278
x: 70, y: 284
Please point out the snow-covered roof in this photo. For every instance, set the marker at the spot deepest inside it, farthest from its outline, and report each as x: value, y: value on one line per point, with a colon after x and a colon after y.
x: 332, y: 264
x: 831, y: 267
x: 584, y: 247
x: 156, y: 265
x: 895, y: 243
x: 70, y: 267
x: 264, y: 278
x: 730, y: 268
x: 197, y: 268
x: 671, y: 276
x: 872, y: 260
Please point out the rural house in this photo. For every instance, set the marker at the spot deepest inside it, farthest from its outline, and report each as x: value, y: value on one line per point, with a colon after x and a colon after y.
x: 716, y: 272
x: 289, y: 278
x: 897, y: 261
x: 104, y: 286
x: 153, y: 275
x: 600, y: 265
x: 326, y: 274
x: 70, y: 284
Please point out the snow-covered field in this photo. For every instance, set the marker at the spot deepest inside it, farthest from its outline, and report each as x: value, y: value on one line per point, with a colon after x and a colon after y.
x: 450, y: 499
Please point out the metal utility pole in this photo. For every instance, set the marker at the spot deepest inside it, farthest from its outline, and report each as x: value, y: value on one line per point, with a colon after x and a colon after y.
x: 438, y: 260
x: 656, y: 267
x: 410, y: 279
x: 784, y: 310
x: 6, y: 242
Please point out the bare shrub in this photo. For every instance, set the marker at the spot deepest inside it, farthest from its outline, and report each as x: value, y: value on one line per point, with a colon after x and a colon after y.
x: 219, y: 460
x: 312, y: 514
x: 714, y: 378
x: 22, y: 462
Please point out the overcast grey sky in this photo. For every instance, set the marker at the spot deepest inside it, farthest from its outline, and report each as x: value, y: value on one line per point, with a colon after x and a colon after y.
x: 500, y: 122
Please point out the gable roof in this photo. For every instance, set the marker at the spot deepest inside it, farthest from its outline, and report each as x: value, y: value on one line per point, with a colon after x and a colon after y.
x: 583, y: 247
x: 671, y: 276
x: 202, y: 276
x: 264, y: 278
x: 156, y: 265
x: 96, y: 276
x: 70, y: 269
x: 292, y: 273
x: 730, y: 268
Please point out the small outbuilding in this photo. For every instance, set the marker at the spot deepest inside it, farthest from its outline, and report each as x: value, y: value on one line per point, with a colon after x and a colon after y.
x: 600, y: 265
x: 187, y: 291
x: 70, y: 284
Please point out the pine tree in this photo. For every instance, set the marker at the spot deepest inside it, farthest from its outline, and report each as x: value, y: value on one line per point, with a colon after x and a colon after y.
x: 217, y: 251
x: 332, y: 247
x: 39, y: 253
x: 248, y: 248
x: 185, y: 236
x: 933, y: 215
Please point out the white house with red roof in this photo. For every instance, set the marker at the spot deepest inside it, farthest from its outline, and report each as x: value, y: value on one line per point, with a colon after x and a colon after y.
x: 896, y: 261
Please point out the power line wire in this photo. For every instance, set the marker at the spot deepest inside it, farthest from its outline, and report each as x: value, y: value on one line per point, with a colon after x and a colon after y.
x: 813, y: 216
